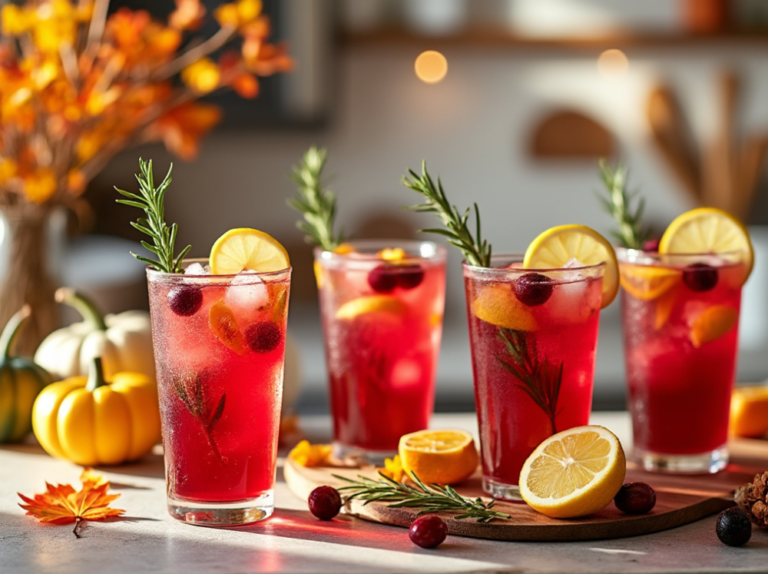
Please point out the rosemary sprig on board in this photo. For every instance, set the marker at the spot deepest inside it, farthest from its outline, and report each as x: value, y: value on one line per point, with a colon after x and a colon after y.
x: 541, y: 380
x: 314, y: 202
x: 476, y: 250
x: 630, y: 233
x: 152, y: 201
x: 432, y: 498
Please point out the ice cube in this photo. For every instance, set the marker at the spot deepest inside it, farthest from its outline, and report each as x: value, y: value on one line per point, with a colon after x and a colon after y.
x: 573, y: 302
x: 196, y: 269
x: 572, y: 263
x: 247, y: 294
x: 406, y: 373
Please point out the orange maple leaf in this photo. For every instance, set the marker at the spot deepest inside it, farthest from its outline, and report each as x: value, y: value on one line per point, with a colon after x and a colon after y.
x: 62, y: 504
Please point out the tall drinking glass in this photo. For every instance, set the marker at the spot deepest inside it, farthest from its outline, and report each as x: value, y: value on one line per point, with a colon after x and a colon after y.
x: 219, y: 344
x: 533, y: 337
x: 381, y: 304
x: 681, y: 316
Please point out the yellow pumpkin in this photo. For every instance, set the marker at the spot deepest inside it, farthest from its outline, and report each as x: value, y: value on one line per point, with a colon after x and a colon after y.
x: 123, y: 341
x: 91, y: 421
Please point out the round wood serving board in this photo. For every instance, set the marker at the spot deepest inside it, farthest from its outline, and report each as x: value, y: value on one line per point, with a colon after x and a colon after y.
x: 679, y: 500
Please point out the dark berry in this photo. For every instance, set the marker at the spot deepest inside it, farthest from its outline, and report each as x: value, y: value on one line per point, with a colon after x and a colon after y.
x: 382, y: 279
x: 185, y: 300
x: 263, y: 337
x: 533, y: 289
x: 700, y: 277
x: 635, y: 498
x: 409, y: 276
x: 733, y: 527
x: 428, y: 531
x: 652, y: 245
x: 324, y: 502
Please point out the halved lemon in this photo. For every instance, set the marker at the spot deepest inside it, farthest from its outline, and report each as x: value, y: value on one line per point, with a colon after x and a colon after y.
x: 247, y: 250
x: 712, y: 323
x: 371, y: 304
x: 646, y: 282
x: 574, y: 473
x: 439, y: 456
x: 708, y: 230
x: 496, y: 304
x: 554, y: 248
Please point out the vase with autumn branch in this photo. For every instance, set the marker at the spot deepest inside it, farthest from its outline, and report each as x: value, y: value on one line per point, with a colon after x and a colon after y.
x: 78, y: 84
x: 533, y: 338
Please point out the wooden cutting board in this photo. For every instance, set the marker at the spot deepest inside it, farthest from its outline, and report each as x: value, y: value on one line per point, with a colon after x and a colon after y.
x: 679, y: 500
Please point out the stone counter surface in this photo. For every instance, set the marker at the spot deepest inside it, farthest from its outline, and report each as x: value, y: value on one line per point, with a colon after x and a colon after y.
x: 147, y: 539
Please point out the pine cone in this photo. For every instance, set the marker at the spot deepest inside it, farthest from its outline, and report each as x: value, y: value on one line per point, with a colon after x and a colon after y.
x: 752, y: 498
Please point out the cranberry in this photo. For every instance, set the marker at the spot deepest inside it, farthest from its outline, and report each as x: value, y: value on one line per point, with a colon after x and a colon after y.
x: 185, y: 300
x: 533, y: 289
x: 428, y: 531
x: 382, y: 279
x: 733, y: 527
x: 324, y: 502
x: 652, y: 245
x: 263, y: 337
x: 409, y: 276
x: 635, y: 498
x: 700, y: 277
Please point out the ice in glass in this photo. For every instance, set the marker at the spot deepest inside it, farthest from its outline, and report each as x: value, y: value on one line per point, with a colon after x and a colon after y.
x: 381, y: 304
x: 680, y: 316
x: 533, y: 337
x: 219, y: 348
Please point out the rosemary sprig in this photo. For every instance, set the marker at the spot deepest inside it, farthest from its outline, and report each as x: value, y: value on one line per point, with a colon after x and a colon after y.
x: 476, y: 250
x: 191, y: 391
x: 152, y: 201
x: 630, y: 232
x: 432, y: 498
x: 541, y: 380
x: 314, y: 202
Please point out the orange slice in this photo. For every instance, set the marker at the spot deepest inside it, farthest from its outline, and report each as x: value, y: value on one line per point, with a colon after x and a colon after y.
x: 749, y: 412
x: 439, y: 456
x: 645, y: 282
x: 713, y: 323
x: 224, y: 325
x: 497, y: 305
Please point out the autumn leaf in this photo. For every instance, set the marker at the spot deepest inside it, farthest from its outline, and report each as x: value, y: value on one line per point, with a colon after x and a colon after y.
x: 62, y: 504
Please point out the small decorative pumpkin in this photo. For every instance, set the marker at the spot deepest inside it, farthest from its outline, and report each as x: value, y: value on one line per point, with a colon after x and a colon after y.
x: 21, y: 380
x: 123, y: 341
x: 91, y: 421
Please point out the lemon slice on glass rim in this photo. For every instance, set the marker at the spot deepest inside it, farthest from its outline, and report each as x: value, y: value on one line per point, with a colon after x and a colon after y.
x: 554, y: 248
x: 246, y: 249
x: 707, y: 230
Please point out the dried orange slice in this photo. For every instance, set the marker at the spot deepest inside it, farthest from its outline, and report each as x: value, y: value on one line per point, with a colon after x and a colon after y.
x: 713, y: 323
x: 645, y: 282
x: 224, y: 325
x: 439, y: 456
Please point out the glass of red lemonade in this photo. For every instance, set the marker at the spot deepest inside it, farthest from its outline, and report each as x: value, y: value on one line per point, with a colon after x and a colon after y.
x: 381, y: 304
x: 219, y: 344
x: 680, y: 315
x: 533, y: 337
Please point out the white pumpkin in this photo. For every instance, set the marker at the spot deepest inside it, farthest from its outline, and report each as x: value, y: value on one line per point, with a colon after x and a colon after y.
x: 123, y: 341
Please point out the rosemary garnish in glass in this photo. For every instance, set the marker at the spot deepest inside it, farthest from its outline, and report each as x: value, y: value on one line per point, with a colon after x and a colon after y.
x: 429, y: 498
x: 314, y: 202
x: 541, y: 380
x: 152, y: 201
x: 191, y: 391
x: 630, y: 233
x: 476, y: 250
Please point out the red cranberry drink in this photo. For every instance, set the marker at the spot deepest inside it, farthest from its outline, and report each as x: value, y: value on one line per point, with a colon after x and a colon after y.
x: 533, y: 323
x: 681, y: 315
x: 382, y: 311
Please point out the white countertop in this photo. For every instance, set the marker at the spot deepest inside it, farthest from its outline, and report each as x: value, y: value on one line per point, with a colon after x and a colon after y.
x: 147, y: 539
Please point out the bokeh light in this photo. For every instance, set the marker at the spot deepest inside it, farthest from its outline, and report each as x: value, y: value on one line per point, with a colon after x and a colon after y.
x: 431, y: 67
x: 612, y: 63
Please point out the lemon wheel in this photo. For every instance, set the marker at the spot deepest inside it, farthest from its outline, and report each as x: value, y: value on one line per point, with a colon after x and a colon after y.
x: 247, y: 250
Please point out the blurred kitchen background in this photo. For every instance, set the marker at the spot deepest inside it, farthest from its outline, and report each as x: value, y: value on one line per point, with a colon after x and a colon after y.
x: 534, y: 93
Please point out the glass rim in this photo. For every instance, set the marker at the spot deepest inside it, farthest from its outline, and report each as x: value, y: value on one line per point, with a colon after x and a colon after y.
x: 440, y: 252
x: 521, y: 256
x: 151, y: 271
x: 625, y: 254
